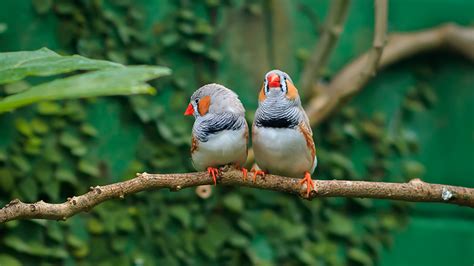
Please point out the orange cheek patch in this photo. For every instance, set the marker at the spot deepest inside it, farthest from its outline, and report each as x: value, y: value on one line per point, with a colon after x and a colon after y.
x: 262, y: 96
x: 203, y: 106
x: 292, y: 91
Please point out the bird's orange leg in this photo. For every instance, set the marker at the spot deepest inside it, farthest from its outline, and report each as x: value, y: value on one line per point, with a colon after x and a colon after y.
x: 257, y: 172
x: 244, y: 173
x: 309, y: 183
x: 214, y: 172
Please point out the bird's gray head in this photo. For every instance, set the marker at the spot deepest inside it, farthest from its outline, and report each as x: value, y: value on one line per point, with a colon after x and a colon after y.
x: 278, y: 86
x: 214, y: 99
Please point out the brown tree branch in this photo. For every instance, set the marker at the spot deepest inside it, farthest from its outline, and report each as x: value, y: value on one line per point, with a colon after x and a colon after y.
x: 370, y: 62
x: 415, y: 190
x: 333, y: 27
x: 399, y: 47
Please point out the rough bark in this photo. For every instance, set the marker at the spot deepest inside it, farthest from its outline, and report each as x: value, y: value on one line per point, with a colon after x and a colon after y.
x: 415, y: 190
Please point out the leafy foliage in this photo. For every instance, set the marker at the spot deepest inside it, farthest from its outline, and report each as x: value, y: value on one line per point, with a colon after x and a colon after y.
x: 53, y: 155
x: 44, y: 62
x: 114, y: 79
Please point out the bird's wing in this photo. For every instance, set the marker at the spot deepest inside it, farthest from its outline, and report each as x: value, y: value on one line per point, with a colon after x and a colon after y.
x: 305, y: 129
x: 305, y: 121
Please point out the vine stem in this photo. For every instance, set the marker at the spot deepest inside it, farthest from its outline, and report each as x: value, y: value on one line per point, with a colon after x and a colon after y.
x: 415, y: 190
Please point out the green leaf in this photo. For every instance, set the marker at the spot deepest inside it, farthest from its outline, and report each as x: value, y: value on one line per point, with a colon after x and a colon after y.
x: 52, y: 190
x: 89, y: 130
x: 95, y: 226
x: 28, y: 189
x: 49, y: 108
x: 69, y: 140
x: 39, y: 126
x: 182, y: 214
x: 7, y: 180
x: 413, y: 169
x: 21, y: 163
x: 8, y: 260
x: 74, y: 241
x: 23, y: 127
x: 196, y: 47
x: 33, y: 248
x: 3, y: 155
x: 66, y: 175
x: 55, y: 232
x: 261, y: 250
x: 339, y: 224
x: 44, y: 62
x: 239, y: 241
x: 120, y: 81
x: 234, y: 203
x: 16, y: 87
x: 89, y: 167
x: 360, y: 256
x: 42, y: 6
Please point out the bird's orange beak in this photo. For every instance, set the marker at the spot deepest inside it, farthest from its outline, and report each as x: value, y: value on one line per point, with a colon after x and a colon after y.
x: 189, y: 110
x: 273, y: 81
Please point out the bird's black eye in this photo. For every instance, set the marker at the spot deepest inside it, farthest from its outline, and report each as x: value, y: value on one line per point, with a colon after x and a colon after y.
x: 197, y: 100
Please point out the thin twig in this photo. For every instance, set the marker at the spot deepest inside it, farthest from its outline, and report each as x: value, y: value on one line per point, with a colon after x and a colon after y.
x: 415, y: 190
x: 399, y: 47
x: 333, y: 27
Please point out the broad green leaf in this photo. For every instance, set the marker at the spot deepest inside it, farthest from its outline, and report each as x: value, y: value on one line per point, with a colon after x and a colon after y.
x: 34, y: 248
x: 15, y: 66
x: 120, y: 81
x: 6, y: 259
x: 16, y: 87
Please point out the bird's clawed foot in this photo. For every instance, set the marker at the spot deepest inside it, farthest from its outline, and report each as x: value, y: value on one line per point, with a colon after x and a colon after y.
x: 244, y: 173
x: 309, y: 183
x: 214, y: 172
x: 257, y: 172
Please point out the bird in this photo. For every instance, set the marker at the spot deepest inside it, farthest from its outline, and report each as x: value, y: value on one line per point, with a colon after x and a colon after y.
x: 220, y: 131
x: 282, y: 138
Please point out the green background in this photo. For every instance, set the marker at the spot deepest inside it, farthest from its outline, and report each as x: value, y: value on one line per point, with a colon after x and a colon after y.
x: 273, y: 36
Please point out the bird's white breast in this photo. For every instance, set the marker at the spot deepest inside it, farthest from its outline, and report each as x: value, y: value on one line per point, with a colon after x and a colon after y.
x: 225, y: 147
x: 282, y: 151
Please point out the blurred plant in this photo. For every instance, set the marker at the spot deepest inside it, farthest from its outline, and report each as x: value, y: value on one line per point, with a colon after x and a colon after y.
x: 248, y: 226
